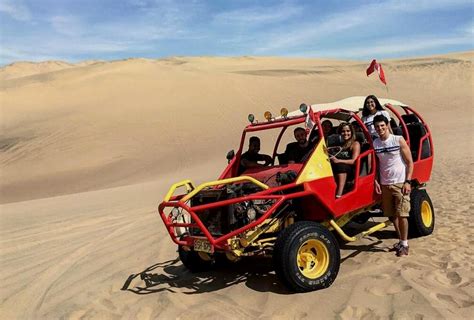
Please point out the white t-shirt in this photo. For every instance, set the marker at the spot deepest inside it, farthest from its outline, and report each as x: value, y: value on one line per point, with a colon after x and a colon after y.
x: 392, y: 166
x: 369, y: 121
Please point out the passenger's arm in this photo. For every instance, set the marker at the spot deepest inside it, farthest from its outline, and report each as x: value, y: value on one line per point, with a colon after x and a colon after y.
x: 249, y: 164
x: 355, y: 155
x: 378, y: 188
x: 406, y: 154
x: 267, y: 159
x: 254, y: 164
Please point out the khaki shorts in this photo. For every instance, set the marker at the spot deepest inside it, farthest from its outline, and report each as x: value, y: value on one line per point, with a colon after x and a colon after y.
x: 394, y: 202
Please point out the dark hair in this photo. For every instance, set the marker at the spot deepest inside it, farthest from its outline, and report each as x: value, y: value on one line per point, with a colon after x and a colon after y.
x: 298, y: 129
x: 327, y: 121
x: 353, y: 134
x: 380, y: 118
x: 354, y: 123
x: 254, y: 139
x: 378, y: 106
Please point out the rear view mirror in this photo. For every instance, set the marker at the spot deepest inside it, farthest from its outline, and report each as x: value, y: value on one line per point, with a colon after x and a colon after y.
x: 230, y: 156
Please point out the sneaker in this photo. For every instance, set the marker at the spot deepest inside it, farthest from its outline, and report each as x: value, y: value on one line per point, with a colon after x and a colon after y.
x: 395, y: 247
x: 403, y: 251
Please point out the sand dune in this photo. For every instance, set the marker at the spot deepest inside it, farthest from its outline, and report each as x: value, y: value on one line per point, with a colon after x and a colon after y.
x: 88, y: 150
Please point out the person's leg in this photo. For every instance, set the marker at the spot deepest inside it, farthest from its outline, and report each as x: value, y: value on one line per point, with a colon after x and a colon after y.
x: 388, y: 205
x: 403, y: 228
x: 341, y: 182
x: 404, y: 248
x: 396, y: 225
x: 402, y: 203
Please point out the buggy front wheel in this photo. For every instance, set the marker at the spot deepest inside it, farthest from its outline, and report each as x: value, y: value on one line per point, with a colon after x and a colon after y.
x: 306, y: 257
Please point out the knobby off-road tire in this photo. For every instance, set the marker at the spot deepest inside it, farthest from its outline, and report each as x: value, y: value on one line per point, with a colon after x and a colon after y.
x: 306, y: 257
x: 422, y: 218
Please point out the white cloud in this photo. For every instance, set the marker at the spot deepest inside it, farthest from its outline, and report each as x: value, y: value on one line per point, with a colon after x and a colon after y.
x: 16, y: 9
x: 368, y: 16
x: 421, y: 5
x: 285, y: 28
x: 78, y: 35
x: 469, y: 29
x: 8, y: 55
x: 257, y: 15
x: 392, y: 46
x: 67, y: 25
x: 307, y: 33
x: 159, y: 19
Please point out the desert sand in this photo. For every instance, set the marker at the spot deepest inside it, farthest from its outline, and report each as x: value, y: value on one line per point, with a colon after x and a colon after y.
x: 88, y: 150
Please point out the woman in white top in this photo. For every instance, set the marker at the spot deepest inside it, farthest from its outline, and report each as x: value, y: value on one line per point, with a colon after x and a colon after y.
x: 372, y: 108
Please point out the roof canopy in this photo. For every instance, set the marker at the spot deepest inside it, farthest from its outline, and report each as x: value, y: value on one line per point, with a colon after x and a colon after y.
x: 353, y: 104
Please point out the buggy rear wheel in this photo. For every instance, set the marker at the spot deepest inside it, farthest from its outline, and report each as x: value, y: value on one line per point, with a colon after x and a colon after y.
x: 422, y: 219
x: 306, y: 257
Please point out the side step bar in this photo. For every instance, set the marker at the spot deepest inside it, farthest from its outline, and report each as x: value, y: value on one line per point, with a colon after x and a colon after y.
x: 343, y: 235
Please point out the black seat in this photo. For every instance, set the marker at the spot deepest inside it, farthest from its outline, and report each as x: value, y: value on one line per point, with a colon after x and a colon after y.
x: 415, y: 131
x: 364, y: 146
x: 410, y: 118
x: 282, y: 158
x: 397, y: 131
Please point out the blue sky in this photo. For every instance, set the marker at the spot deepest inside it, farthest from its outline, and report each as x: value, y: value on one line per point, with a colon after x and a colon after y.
x: 75, y: 30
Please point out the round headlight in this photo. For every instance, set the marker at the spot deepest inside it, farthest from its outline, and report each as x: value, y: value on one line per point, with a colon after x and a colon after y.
x: 284, y: 112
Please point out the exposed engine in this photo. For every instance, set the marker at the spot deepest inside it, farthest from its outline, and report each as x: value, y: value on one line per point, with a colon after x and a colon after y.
x: 247, y: 212
x: 224, y: 219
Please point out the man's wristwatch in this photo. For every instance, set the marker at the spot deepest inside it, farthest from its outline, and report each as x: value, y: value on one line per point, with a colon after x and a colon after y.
x: 408, y: 181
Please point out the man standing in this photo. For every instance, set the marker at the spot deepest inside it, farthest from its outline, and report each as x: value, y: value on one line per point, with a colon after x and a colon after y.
x: 296, y: 151
x: 395, y: 170
x: 252, y: 157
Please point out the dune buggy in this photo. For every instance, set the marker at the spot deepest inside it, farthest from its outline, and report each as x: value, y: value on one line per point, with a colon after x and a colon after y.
x: 289, y: 211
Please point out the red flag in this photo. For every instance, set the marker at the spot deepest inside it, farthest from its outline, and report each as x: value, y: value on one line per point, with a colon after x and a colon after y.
x: 374, y: 65
x: 381, y: 73
x: 371, y: 68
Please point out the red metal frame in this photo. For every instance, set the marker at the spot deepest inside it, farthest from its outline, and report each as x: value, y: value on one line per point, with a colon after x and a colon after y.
x: 422, y: 168
x: 220, y: 242
x: 320, y: 190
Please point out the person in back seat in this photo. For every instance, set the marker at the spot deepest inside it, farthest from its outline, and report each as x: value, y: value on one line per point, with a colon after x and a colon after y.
x: 372, y: 108
x: 327, y: 128
x: 356, y: 126
x: 343, y: 162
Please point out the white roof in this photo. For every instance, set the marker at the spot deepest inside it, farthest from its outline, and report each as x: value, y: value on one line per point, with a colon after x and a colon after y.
x: 353, y: 104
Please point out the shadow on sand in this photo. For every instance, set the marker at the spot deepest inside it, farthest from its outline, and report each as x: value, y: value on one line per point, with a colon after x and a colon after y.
x: 256, y: 272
